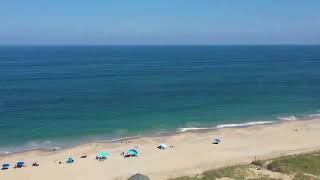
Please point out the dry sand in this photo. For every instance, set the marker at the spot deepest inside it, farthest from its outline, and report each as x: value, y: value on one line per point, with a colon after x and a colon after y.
x: 192, y: 153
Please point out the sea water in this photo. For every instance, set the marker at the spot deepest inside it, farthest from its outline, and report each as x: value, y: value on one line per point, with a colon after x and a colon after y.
x: 55, y: 95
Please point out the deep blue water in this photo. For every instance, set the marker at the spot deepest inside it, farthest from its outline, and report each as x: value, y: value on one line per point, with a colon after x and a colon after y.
x: 68, y: 93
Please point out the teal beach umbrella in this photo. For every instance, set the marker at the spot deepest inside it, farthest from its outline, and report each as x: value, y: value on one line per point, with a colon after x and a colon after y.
x: 133, y: 152
x: 103, y: 155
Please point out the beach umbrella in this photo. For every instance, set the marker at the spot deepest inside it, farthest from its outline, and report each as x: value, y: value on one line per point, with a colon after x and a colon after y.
x: 139, y: 177
x: 103, y: 154
x: 163, y: 146
x: 216, y: 141
x: 5, y: 166
x: 133, y: 152
x: 20, y: 164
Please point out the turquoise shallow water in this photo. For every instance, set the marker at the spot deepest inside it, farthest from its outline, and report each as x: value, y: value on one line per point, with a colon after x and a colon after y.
x: 60, y: 94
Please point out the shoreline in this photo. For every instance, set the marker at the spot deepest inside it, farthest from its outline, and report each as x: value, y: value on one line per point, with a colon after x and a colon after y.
x: 165, y: 134
x: 192, y: 153
x: 150, y: 135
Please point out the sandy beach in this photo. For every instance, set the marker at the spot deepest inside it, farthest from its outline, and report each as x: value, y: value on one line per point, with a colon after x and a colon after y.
x: 193, y: 153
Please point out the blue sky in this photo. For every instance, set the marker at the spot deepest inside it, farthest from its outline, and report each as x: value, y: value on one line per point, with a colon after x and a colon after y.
x: 160, y: 22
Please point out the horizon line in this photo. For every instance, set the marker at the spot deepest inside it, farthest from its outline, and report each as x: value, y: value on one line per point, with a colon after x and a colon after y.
x: 236, y: 44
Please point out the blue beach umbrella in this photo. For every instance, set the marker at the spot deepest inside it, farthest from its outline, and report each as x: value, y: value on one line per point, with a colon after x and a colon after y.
x: 5, y: 166
x: 20, y: 164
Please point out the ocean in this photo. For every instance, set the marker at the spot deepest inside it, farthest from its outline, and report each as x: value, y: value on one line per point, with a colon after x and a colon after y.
x: 64, y: 95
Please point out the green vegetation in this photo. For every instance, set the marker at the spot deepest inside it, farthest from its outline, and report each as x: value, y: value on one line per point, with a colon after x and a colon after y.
x: 308, y: 163
x: 236, y: 172
x: 241, y: 172
x: 301, y: 176
x: 296, y: 167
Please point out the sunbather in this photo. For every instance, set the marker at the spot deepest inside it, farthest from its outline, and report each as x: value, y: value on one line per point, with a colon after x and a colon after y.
x: 35, y: 164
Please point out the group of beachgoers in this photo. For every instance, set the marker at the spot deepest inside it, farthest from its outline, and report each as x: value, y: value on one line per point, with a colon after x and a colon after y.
x: 19, y: 164
x: 133, y: 152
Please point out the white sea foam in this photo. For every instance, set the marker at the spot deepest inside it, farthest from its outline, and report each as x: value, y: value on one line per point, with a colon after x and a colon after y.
x: 314, y: 115
x: 287, y: 118
x: 227, y: 126
x: 244, y: 124
x: 4, y: 152
x: 124, y: 138
x: 41, y: 145
x: 191, y: 129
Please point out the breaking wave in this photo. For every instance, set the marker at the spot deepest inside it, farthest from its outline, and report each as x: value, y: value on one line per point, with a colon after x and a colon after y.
x: 287, y: 118
x: 191, y: 129
x: 244, y: 124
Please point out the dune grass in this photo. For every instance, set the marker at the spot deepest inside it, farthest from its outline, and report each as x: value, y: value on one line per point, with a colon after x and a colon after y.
x: 241, y: 172
x: 299, y: 167
x: 301, y: 176
x: 306, y: 163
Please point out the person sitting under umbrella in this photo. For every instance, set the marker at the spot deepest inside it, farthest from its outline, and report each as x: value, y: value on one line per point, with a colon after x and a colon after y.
x: 20, y: 164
